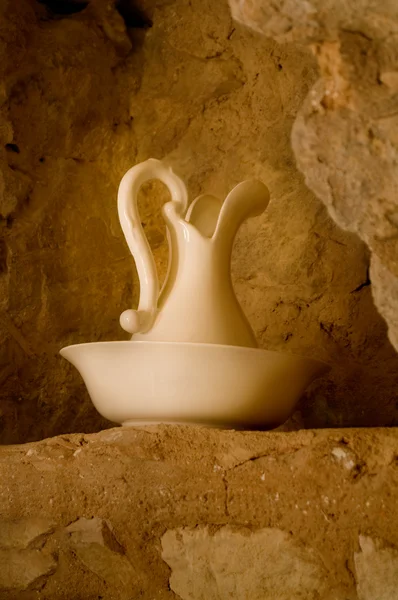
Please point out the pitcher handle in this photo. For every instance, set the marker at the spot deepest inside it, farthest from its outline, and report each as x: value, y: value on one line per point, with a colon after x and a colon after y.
x: 142, y: 319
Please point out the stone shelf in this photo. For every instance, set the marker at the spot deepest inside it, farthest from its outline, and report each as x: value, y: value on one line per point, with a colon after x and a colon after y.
x: 197, y: 513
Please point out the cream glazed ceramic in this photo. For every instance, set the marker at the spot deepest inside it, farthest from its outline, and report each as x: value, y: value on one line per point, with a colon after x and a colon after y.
x: 197, y: 302
x: 193, y: 356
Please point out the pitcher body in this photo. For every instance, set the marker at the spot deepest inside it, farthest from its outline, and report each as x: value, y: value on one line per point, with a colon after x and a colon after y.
x: 197, y: 302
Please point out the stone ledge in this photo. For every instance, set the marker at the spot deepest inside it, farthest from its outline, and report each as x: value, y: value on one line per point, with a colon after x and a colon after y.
x: 318, y: 504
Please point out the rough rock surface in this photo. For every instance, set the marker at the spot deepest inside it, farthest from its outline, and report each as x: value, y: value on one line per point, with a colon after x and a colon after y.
x: 243, y: 563
x: 377, y: 569
x: 345, y: 136
x: 87, y: 91
x: 24, y: 563
x: 200, y: 514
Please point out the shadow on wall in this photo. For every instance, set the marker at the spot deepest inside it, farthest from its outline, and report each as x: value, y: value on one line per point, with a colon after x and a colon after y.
x: 130, y: 11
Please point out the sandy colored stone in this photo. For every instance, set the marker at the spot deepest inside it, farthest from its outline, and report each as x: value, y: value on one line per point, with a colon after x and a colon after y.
x: 24, y: 533
x: 116, y: 496
x: 95, y: 546
x: 261, y: 565
x: 385, y: 294
x: 25, y: 563
x: 86, y: 95
x: 344, y: 137
x: 24, y: 569
x: 85, y: 532
x: 376, y: 570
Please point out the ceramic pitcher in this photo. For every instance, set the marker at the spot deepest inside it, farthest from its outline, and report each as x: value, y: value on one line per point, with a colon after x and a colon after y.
x: 197, y: 302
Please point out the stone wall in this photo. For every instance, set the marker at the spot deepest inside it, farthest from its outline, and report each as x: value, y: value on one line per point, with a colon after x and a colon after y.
x: 87, y: 90
x: 344, y: 137
x: 198, y: 514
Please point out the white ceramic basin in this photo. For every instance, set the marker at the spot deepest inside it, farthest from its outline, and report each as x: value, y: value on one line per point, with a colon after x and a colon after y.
x: 136, y: 383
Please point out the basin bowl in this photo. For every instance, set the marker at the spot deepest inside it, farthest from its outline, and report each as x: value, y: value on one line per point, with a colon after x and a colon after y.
x: 139, y: 383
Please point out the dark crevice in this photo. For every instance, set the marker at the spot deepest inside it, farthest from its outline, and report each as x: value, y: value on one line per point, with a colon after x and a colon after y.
x: 12, y: 148
x: 225, y: 482
x: 65, y: 7
x: 359, y: 471
x: 133, y: 16
x: 325, y: 328
x: 357, y: 32
x: 7, y: 221
x: 3, y: 256
x: 366, y: 283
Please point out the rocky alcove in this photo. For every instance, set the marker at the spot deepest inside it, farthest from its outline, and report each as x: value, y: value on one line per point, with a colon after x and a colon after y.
x: 301, y: 95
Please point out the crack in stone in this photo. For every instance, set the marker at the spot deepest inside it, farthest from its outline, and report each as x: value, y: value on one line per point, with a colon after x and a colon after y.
x: 226, y: 488
x: 291, y: 450
x: 366, y: 283
x: 247, y: 460
x: 225, y: 471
